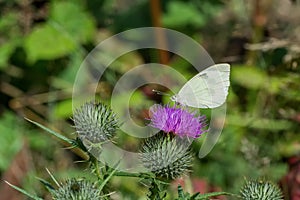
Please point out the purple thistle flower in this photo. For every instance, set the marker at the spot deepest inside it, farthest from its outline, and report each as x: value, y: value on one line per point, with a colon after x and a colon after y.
x: 176, y: 120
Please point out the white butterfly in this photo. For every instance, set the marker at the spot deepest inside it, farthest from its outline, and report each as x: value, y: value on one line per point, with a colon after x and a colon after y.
x: 208, y: 89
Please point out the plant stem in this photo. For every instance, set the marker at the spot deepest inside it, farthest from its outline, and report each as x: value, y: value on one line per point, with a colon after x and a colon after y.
x: 157, y: 190
x: 139, y: 175
x: 155, y: 6
x: 95, y: 162
x: 97, y: 169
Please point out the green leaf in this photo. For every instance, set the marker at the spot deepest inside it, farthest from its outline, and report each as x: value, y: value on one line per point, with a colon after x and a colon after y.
x: 11, y: 139
x: 180, y: 192
x: 5, y: 51
x: 136, y: 100
x: 197, y: 196
x: 24, y: 192
x: 63, y: 109
x: 48, y: 42
x: 213, y: 194
x: 184, y: 196
x: 53, y: 178
x: 10, y: 36
x: 46, y: 184
x: 73, y: 20
x: 259, y: 123
x: 182, y: 14
x: 249, y: 77
x: 9, y: 26
x: 107, y: 179
x: 157, y: 191
x: 58, y: 135
x: 8, y: 21
x: 66, y: 78
x: 126, y: 62
x: 276, y: 85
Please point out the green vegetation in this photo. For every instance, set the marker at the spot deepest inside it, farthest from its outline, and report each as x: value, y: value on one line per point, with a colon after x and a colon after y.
x: 43, y: 44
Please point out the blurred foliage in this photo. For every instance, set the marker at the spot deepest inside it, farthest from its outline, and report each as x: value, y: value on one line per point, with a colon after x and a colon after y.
x: 43, y: 43
x: 11, y: 140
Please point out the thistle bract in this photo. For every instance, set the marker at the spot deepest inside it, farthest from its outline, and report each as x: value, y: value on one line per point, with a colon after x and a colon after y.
x: 77, y: 190
x: 177, y: 120
x: 260, y: 190
x: 95, y: 122
x: 166, y: 156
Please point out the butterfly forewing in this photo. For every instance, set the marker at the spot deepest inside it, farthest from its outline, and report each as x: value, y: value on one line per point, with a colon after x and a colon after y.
x: 208, y: 89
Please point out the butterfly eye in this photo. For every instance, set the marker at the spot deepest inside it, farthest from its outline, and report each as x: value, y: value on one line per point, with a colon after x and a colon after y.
x: 174, y: 98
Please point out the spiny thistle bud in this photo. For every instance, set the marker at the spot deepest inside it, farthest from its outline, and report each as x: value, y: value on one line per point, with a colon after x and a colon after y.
x: 77, y: 190
x: 166, y: 156
x: 95, y: 122
x: 260, y: 190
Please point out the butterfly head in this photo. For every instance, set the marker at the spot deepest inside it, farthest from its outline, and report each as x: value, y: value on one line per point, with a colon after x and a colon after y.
x: 174, y: 98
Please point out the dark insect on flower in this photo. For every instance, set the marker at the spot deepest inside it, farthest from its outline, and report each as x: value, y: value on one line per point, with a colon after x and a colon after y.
x: 167, y: 156
x: 177, y: 120
x: 260, y: 190
x: 95, y: 122
x: 75, y: 187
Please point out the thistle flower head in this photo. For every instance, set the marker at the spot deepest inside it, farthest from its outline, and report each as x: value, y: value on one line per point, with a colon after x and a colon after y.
x: 95, y: 122
x: 166, y: 156
x: 77, y: 189
x: 260, y: 190
x: 176, y: 120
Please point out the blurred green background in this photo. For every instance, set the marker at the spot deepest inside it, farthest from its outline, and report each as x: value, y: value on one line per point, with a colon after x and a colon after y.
x: 42, y: 44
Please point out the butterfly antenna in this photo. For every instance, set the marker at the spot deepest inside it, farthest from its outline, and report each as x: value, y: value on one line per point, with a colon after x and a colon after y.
x: 160, y: 92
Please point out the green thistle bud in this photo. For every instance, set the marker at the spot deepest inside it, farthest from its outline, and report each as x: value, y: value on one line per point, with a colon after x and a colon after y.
x: 77, y: 190
x: 166, y: 156
x: 260, y: 190
x: 95, y: 123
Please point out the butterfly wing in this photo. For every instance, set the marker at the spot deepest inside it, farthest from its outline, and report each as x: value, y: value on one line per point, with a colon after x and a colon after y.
x: 208, y: 89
